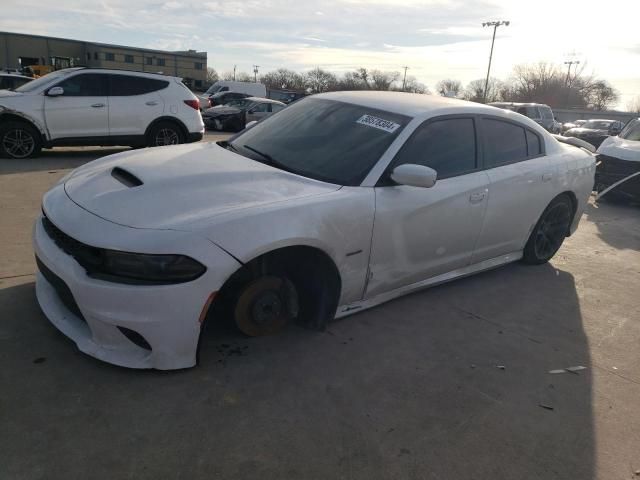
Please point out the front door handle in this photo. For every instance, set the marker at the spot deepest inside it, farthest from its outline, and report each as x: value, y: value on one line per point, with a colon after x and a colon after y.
x: 547, y: 176
x: 151, y: 103
x: 97, y: 105
x: 476, y: 197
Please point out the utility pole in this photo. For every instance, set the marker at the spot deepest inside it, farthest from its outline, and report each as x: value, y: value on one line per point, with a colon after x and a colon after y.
x: 234, y: 73
x: 570, y: 62
x: 495, y: 26
x: 404, y: 80
x: 568, y: 80
x: 255, y: 73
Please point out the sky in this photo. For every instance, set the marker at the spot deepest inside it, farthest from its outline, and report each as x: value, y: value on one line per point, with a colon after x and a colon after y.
x: 436, y: 39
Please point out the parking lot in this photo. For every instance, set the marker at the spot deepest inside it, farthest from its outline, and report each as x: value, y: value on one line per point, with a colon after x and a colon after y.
x: 449, y: 383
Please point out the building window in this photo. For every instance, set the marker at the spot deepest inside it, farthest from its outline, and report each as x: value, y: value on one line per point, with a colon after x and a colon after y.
x: 110, y: 57
x: 128, y: 58
x: 198, y: 66
x: 149, y: 61
x: 95, y: 55
x: 88, y: 56
x: 160, y: 62
x: 198, y: 83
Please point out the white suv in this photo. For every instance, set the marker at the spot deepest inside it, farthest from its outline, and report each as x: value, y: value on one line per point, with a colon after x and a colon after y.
x: 88, y: 106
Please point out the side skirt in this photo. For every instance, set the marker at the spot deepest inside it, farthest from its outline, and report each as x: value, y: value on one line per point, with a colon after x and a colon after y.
x: 355, y: 307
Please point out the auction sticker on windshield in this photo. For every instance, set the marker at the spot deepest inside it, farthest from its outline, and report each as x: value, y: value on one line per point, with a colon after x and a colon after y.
x: 379, y: 123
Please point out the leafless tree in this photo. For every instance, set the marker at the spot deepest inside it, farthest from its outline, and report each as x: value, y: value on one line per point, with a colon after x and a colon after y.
x: 474, y: 91
x: 351, y: 81
x: 283, y: 79
x: 319, y: 80
x: 362, y: 74
x: 602, y: 95
x: 449, y: 88
x: 383, y: 80
x: 633, y: 105
x: 212, y: 75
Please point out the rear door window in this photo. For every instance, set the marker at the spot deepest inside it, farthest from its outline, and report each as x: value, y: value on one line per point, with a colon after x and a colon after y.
x: 128, y: 85
x: 504, y: 142
x: 534, y: 147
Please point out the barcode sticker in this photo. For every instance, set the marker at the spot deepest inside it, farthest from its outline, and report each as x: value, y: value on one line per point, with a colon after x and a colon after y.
x: 379, y: 123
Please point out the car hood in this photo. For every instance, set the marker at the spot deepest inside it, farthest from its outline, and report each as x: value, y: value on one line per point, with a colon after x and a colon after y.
x: 7, y: 94
x: 620, y: 148
x: 180, y: 187
x: 587, y: 131
x: 220, y: 110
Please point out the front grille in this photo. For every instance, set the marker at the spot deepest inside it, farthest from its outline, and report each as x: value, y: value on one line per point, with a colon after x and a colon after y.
x: 61, y: 288
x: 89, y: 257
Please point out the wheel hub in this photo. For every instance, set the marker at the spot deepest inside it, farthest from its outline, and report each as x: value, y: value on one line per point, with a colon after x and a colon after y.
x: 267, y: 308
x: 18, y: 143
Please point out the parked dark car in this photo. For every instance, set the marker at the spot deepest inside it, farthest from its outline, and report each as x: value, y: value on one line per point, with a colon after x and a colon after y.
x: 575, y: 124
x: 595, y: 131
x: 619, y: 161
x: 236, y: 114
x: 223, y: 98
x: 538, y: 112
x: 285, y: 96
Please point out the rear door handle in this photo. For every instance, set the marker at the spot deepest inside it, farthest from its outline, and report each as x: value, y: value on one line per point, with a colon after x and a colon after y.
x: 151, y: 103
x: 97, y: 105
x: 547, y: 176
x: 476, y: 197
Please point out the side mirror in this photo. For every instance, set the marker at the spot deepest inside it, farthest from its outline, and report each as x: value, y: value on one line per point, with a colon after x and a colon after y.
x: 250, y: 124
x: 414, y: 175
x: 55, y: 92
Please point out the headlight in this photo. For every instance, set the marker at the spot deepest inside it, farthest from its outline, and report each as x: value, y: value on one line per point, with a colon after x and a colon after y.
x: 146, y: 269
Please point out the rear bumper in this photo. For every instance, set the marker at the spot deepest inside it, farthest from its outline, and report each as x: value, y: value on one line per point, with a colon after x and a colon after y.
x: 195, y: 137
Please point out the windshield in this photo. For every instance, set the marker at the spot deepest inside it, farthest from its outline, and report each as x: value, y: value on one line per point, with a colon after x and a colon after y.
x: 41, y: 82
x: 322, y: 139
x: 597, y: 124
x: 213, y: 89
x: 631, y: 131
x: 241, y: 103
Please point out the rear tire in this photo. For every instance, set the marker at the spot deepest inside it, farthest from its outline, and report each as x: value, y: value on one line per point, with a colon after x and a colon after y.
x: 550, y: 231
x: 165, y: 133
x: 19, y: 140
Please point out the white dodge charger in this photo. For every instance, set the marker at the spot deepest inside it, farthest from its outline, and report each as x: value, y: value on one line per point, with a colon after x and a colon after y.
x: 336, y: 204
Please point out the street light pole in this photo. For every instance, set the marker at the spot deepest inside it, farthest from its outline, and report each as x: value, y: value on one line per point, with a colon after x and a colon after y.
x: 495, y: 26
x: 255, y: 73
x: 404, y: 81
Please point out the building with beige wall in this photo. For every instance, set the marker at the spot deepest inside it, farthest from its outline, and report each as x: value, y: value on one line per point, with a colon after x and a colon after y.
x: 19, y: 50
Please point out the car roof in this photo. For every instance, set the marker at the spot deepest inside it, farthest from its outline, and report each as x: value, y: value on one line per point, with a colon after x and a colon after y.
x: 411, y: 104
x: 117, y: 71
x: 518, y: 104
x: 601, y: 120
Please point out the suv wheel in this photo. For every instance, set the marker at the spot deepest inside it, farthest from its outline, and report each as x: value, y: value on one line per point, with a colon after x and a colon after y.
x: 19, y: 140
x: 165, y: 133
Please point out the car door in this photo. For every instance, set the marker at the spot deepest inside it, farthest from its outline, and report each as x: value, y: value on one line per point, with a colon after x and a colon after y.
x: 81, y: 111
x: 134, y: 102
x: 421, y: 233
x: 521, y: 186
x: 258, y: 112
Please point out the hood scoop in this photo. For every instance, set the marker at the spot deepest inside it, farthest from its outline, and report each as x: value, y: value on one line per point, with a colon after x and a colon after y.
x: 126, y: 178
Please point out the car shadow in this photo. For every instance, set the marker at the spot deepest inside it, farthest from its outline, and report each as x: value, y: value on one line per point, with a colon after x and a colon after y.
x: 56, y: 159
x: 451, y: 382
x: 617, y: 223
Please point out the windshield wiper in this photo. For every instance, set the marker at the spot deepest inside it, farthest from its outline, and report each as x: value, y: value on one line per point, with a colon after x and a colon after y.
x: 270, y: 160
x: 227, y: 145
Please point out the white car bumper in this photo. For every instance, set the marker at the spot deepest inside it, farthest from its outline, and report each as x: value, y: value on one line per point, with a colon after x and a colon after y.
x: 95, y: 312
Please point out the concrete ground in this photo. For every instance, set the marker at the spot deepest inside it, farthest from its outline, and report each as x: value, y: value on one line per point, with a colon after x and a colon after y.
x: 449, y: 383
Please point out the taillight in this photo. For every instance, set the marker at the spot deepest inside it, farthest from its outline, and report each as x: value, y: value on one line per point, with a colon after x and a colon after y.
x: 193, y: 104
